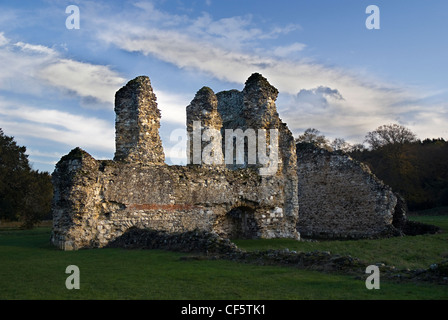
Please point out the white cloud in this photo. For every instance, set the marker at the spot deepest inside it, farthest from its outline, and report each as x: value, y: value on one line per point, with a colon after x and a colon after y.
x: 57, y: 126
x: 18, y: 65
x: 32, y: 74
x: 149, y: 14
x: 236, y: 32
x: 173, y: 107
x: 289, y: 50
x: 367, y: 102
x: 85, y: 79
x: 335, y: 118
x: 185, y: 51
x: 37, y: 49
x: 3, y: 39
x: 318, y: 98
x: 35, y: 69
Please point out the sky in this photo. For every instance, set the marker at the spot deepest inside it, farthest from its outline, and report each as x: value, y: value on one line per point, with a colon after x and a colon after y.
x: 334, y: 73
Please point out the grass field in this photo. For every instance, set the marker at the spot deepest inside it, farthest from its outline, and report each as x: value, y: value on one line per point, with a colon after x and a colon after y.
x: 30, y: 268
x: 417, y: 252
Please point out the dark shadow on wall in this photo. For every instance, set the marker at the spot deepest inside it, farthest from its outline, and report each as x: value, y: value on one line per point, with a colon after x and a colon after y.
x: 240, y: 223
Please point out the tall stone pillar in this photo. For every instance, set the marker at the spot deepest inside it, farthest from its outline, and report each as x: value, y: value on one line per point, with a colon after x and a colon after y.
x: 204, y: 129
x: 137, y: 124
x: 260, y: 112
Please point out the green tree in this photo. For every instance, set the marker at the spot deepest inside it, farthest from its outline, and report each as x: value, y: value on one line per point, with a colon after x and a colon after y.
x: 25, y: 194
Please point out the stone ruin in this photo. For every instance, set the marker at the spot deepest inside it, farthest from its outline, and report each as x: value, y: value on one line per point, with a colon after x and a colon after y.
x: 340, y: 198
x: 97, y: 201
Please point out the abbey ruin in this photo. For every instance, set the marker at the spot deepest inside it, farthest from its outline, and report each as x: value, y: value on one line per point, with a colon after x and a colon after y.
x: 97, y: 201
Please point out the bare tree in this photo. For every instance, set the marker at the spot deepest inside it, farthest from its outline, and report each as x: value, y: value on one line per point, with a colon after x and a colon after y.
x: 339, y: 144
x: 390, y: 140
x: 314, y: 137
x: 388, y: 135
x: 358, y: 147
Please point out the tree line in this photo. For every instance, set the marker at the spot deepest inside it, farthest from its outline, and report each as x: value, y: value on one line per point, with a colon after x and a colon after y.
x: 25, y: 194
x: 416, y: 169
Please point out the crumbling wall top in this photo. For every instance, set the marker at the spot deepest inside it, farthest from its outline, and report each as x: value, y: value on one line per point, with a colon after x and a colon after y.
x: 137, y: 124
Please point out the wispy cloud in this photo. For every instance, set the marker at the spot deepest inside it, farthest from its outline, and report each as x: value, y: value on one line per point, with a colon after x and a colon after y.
x: 93, y: 82
x: 32, y: 76
x: 289, y: 50
x: 170, y: 104
x: 64, y: 128
x: 33, y: 68
x: 3, y: 39
x: 228, y: 49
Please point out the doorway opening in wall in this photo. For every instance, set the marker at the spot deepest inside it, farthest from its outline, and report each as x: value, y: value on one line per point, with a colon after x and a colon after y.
x: 240, y: 223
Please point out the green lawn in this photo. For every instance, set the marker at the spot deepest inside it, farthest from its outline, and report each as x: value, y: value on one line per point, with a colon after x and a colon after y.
x: 30, y: 268
x: 413, y: 252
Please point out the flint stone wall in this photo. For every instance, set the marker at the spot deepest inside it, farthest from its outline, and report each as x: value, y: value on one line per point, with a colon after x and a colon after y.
x: 341, y: 199
x: 137, y: 123
x: 97, y: 201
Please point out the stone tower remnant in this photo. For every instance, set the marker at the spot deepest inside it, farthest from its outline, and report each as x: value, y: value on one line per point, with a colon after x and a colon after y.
x: 204, y: 123
x: 137, y: 124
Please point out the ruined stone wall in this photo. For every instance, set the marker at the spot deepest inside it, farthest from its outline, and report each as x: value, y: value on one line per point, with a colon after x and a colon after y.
x: 96, y: 201
x: 341, y: 198
x: 203, y: 119
x: 254, y: 108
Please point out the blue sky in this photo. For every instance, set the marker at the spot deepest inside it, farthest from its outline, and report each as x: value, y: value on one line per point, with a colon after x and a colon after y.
x: 57, y: 85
